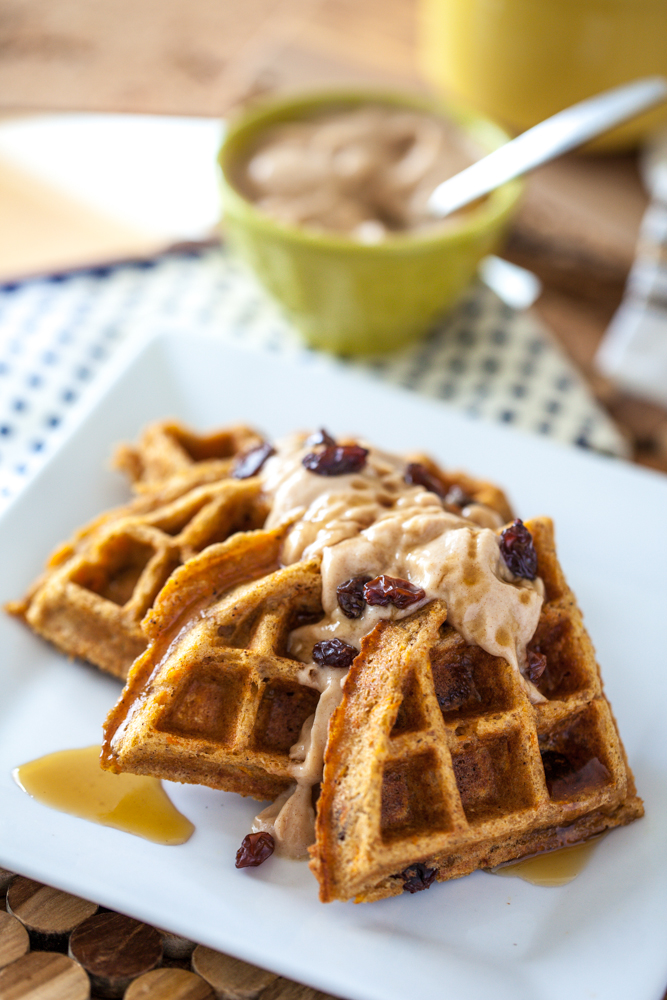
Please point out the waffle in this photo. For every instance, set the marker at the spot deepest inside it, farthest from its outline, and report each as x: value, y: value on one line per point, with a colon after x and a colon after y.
x: 167, y: 448
x: 97, y: 587
x: 437, y: 764
x: 201, y: 754
x: 221, y: 705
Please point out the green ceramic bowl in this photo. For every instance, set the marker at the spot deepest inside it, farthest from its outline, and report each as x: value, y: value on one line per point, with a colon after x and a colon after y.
x: 344, y: 296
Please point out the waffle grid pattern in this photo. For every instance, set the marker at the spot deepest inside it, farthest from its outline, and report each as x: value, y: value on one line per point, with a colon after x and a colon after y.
x: 97, y: 588
x: 225, y: 706
x: 462, y: 771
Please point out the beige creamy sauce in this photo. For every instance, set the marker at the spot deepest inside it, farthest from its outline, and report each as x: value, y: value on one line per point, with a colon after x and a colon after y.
x: 370, y: 523
x: 366, y: 172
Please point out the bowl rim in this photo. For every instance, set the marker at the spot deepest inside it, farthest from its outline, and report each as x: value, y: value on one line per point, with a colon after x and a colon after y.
x: 487, y: 217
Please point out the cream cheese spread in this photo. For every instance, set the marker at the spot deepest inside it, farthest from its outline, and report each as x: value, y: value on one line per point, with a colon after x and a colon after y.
x: 373, y: 522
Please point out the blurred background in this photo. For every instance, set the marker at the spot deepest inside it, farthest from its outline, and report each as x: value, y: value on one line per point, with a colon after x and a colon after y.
x: 110, y: 119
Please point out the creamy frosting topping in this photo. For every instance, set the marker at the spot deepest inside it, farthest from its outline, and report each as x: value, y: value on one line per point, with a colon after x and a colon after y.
x: 367, y: 172
x: 370, y: 523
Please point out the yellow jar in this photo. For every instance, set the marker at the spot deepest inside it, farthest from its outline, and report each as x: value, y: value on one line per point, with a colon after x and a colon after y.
x: 520, y: 61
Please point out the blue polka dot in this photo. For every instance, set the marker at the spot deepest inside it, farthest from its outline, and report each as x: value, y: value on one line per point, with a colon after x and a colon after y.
x: 536, y: 346
x: 490, y: 365
x: 564, y: 383
x: 4, y: 368
x: 21, y: 469
x: 53, y: 421
x: 12, y: 286
x: 457, y: 365
x: 447, y: 390
x: 507, y: 416
x: 34, y: 381
x: 583, y: 442
x: 19, y: 405
x: 519, y: 390
x: 499, y: 336
x: 83, y: 373
x: 5, y: 430
x: 58, y: 279
x: 49, y: 358
x: 98, y: 352
x: 466, y: 336
x: 544, y: 427
x: 37, y: 445
x: 68, y: 396
x: 552, y: 406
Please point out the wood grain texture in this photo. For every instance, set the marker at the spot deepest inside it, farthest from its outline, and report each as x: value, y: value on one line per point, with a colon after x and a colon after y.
x: 14, y: 940
x: 48, y: 915
x: 231, y: 978
x: 169, y: 984
x: 159, y: 56
x: 114, y: 950
x: 286, y: 989
x: 5, y: 878
x: 44, y: 975
x: 176, y: 947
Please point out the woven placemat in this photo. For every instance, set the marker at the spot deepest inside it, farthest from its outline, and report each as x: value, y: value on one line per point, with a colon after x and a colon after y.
x: 58, y: 333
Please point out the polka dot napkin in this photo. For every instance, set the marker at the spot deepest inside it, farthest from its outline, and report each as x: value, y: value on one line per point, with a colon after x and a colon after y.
x: 58, y: 333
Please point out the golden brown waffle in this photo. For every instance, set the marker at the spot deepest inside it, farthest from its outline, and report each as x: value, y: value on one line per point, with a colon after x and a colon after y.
x: 167, y: 448
x: 221, y: 705
x: 96, y: 589
x: 477, y: 490
x: 98, y: 586
x: 437, y: 763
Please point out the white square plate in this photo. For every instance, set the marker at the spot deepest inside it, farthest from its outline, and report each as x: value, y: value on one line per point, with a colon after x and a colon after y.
x: 602, y: 935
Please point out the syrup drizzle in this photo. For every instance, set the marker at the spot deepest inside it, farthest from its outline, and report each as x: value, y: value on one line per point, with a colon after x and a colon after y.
x: 73, y: 782
x: 552, y: 869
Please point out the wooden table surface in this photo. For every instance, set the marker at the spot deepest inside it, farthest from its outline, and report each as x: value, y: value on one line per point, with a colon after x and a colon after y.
x: 576, y: 230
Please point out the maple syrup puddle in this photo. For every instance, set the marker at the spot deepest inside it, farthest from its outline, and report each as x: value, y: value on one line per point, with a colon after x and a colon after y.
x: 552, y: 869
x: 73, y: 782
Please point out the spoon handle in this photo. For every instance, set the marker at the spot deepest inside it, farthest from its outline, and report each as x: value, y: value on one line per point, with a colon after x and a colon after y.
x: 552, y: 137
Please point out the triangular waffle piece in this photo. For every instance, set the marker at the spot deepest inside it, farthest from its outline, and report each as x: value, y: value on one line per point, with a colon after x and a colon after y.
x: 215, y: 700
x: 167, y: 448
x: 97, y: 588
x: 437, y: 763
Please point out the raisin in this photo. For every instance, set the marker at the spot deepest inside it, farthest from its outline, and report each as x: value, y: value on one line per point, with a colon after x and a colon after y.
x: 334, y: 653
x: 336, y: 460
x: 518, y: 551
x: 537, y: 663
x: 250, y: 462
x: 417, y: 877
x: 458, y: 497
x: 384, y: 590
x: 320, y: 437
x: 417, y: 474
x: 254, y: 850
x: 350, y: 596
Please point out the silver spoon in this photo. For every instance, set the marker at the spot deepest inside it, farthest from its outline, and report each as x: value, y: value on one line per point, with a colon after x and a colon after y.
x: 556, y: 135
